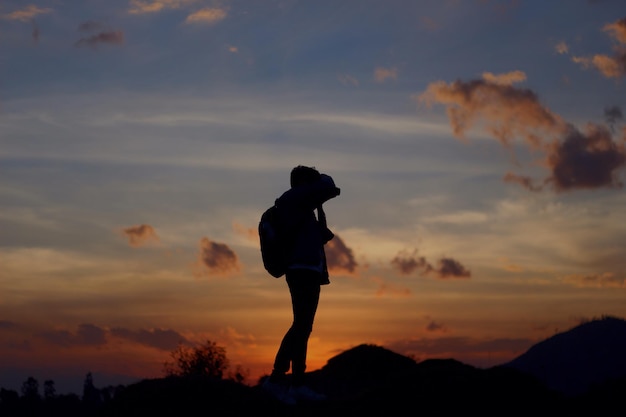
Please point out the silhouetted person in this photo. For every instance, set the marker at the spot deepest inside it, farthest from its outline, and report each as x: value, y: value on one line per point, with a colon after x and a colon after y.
x: 306, y: 272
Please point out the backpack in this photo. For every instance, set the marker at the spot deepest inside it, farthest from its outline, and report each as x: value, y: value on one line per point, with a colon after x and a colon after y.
x: 273, y: 242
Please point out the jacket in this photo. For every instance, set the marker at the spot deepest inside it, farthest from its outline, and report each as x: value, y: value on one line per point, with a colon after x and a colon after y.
x: 309, y: 233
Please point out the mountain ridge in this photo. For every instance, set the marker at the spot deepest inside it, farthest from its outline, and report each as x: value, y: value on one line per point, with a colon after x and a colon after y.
x: 574, y: 361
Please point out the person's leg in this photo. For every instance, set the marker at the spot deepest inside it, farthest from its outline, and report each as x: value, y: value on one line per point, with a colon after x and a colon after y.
x: 304, y: 286
x: 282, y: 361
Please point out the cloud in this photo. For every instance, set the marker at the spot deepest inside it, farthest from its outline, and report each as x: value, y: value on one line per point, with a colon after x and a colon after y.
x: 576, y: 160
x: 436, y: 327
x: 562, y: 48
x: 603, y: 280
x: 383, y: 74
x: 589, y: 160
x: 509, y: 78
x: 115, y: 37
x: 610, y: 66
x: 139, y: 235
x: 581, y: 161
x: 92, y: 335
x: 89, y: 26
x: 451, y: 268
x: 407, y: 263
x: 26, y: 14
x: 250, y: 233
x: 507, y: 111
x: 612, y: 114
x: 231, y: 337
x: 154, y: 6
x: 339, y: 257
x: 35, y: 33
x: 461, y: 348
x: 217, y: 258
x: 617, y: 30
x: 429, y: 24
x: 460, y: 218
x: 164, y: 339
x: 387, y: 289
x: 207, y: 15
x: 85, y: 335
x: 7, y: 324
x: 347, y: 79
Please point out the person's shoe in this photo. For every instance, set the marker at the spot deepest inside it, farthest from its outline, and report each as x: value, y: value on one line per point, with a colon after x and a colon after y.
x: 304, y: 393
x: 279, y: 391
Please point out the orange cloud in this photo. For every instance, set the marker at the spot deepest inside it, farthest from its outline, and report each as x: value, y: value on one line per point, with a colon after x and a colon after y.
x: 507, y: 111
x: 383, y: 74
x: 576, y: 160
x: 387, y: 289
x: 26, y: 14
x: 407, y: 263
x: 113, y: 37
x: 604, y: 280
x: 561, y: 48
x: 508, y: 78
x: 249, y: 233
x: 617, y: 30
x: 610, y: 66
x: 217, y: 258
x: 154, y: 6
x: 138, y: 235
x: 206, y: 15
x: 510, y: 267
x: 340, y: 257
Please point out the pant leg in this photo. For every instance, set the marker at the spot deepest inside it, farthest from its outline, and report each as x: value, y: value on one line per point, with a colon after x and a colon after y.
x: 304, y: 287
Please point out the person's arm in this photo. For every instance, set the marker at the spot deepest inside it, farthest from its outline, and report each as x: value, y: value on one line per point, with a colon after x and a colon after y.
x: 321, y: 216
x: 327, y: 234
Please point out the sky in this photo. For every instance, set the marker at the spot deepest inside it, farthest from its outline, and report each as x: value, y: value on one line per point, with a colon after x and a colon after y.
x: 479, y: 146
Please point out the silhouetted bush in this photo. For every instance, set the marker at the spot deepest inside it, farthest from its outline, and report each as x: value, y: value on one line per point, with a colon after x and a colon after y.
x: 207, y: 359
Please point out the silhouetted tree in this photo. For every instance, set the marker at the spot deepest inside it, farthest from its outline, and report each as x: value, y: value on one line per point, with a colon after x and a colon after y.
x: 207, y: 359
x: 30, y: 389
x: 49, y: 391
x: 239, y: 375
x: 91, y: 394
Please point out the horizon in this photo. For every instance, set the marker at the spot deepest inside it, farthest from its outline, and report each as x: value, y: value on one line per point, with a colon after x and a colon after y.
x: 479, y: 146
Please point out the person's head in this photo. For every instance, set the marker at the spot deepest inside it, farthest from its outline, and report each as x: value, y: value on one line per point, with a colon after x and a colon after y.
x: 304, y: 175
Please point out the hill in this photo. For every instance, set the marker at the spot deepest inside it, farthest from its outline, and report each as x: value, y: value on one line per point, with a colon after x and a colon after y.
x: 575, y: 361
